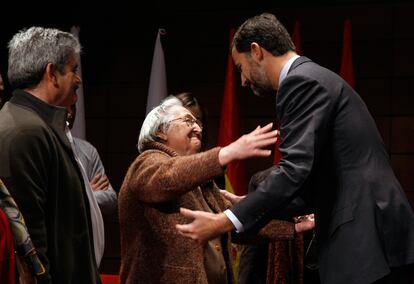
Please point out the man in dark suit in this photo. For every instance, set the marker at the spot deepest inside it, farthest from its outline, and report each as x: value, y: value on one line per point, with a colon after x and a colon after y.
x: 333, y: 164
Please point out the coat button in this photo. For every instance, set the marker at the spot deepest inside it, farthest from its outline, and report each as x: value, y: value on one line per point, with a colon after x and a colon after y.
x: 217, y: 247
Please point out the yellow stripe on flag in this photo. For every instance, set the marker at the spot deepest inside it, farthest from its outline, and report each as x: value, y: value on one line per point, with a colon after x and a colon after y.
x: 228, y: 186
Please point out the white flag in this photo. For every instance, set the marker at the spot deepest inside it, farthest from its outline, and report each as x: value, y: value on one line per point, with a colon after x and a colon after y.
x: 78, y: 129
x: 157, y: 90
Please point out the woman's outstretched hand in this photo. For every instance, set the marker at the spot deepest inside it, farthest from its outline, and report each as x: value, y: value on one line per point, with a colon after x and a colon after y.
x: 249, y: 145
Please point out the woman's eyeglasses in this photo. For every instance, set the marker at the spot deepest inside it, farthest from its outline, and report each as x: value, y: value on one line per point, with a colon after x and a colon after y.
x: 189, y: 120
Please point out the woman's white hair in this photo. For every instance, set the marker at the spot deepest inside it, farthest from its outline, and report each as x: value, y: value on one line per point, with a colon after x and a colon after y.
x: 157, y: 120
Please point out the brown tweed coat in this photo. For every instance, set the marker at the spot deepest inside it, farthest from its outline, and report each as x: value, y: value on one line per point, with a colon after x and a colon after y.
x: 156, y: 185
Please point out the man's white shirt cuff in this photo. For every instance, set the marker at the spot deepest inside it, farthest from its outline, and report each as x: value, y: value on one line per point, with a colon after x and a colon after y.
x: 234, y: 220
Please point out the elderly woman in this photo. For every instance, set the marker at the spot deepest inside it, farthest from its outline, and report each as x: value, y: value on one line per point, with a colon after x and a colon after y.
x: 169, y: 174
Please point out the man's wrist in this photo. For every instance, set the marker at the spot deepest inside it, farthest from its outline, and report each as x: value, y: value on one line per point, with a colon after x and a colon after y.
x: 225, y: 225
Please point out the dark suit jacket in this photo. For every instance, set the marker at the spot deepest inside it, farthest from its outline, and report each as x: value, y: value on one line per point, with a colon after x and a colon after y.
x: 334, y: 159
x: 39, y: 169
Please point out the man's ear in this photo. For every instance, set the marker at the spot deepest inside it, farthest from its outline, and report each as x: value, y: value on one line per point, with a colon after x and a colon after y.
x: 50, y: 73
x: 256, y: 51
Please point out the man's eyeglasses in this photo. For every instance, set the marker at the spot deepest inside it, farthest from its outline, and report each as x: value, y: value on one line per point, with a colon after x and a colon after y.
x: 189, y: 120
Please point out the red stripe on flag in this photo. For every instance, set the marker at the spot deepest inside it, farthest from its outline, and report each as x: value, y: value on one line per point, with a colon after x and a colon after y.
x: 297, y: 41
x: 229, y: 129
x: 347, y: 69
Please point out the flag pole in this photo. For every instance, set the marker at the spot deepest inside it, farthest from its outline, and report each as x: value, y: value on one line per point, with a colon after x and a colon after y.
x: 157, y: 90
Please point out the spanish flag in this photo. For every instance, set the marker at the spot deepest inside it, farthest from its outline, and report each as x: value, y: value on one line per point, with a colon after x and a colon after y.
x: 229, y: 130
x: 347, y: 69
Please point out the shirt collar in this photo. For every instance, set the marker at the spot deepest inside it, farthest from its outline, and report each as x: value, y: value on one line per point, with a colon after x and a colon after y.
x: 286, y: 68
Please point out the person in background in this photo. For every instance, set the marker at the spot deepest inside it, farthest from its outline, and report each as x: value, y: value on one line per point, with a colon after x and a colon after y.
x: 272, y: 262
x: 19, y: 258
x: 169, y: 173
x: 96, y: 185
x: 88, y: 155
x: 333, y: 164
x: 37, y: 162
x: 7, y: 256
x: 191, y: 103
